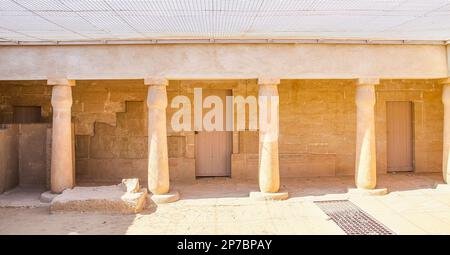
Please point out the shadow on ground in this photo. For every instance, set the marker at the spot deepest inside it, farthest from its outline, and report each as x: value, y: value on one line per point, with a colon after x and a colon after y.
x: 223, y: 187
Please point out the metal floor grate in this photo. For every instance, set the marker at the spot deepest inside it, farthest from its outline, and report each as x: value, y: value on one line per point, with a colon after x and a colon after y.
x: 352, y: 219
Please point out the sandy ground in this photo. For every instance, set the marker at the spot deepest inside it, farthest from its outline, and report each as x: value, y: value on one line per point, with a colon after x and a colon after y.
x: 221, y: 206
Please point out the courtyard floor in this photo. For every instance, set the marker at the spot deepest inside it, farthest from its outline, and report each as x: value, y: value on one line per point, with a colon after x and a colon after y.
x: 222, y: 206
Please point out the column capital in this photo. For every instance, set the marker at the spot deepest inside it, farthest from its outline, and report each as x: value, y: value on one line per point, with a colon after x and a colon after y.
x: 446, y: 94
x: 365, y: 96
x: 364, y: 81
x: 268, y: 81
x: 445, y: 81
x: 156, y: 97
x: 156, y: 81
x: 60, y: 82
x: 61, y: 97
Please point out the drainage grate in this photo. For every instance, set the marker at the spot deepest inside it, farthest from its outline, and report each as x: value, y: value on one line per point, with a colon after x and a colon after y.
x: 352, y: 219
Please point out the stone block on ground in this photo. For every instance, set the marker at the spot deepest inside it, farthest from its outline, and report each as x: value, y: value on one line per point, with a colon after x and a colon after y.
x: 131, y: 185
x: 105, y: 199
x: 47, y: 197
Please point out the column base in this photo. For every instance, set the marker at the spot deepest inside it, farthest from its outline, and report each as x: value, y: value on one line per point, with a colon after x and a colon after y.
x: 165, y: 198
x: 367, y: 192
x: 266, y: 196
x: 443, y: 187
x: 47, y: 197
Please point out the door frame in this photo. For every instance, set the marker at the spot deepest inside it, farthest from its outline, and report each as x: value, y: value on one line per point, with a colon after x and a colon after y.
x: 230, y: 135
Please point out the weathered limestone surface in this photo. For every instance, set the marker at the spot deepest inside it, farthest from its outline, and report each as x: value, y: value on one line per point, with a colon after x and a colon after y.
x: 100, y: 101
x: 222, y: 61
x: 47, y: 197
x: 131, y: 185
x: 158, y: 159
x: 24, y: 93
x: 62, y: 172
x: 114, y: 152
x: 99, y: 199
x: 24, y: 155
x: 365, y: 166
x: 269, y: 171
x: 317, y: 128
x: 111, y: 141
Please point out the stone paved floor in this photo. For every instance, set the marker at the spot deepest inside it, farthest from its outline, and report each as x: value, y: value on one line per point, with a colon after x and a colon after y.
x: 221, y: 206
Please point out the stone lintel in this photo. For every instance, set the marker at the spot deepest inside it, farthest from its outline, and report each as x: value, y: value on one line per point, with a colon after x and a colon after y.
x: 156, y: 81
x: 60, y: 82
x: 268, y: 81
x: 368, y: 81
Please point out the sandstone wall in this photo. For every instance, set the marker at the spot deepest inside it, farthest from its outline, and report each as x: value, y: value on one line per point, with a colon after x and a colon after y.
x: 24, y: 155
x: 111, y: 130
x: 34, y: 153
x: 24, y: 93
x: 317, y: 127
x: 317, y: 131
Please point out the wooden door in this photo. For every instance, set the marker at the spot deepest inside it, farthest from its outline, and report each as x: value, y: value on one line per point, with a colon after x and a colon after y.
x: 213, y: 149
x: 399, y: 136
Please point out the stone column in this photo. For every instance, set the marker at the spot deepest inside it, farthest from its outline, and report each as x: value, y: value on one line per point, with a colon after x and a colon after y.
x: 366, y: 156
x: 269, y: 172
x: 62, y: 172
x: 158, y: 161
x: 446, y: 138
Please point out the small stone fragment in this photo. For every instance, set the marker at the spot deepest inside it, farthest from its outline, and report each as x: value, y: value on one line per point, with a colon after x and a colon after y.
x: 131, y: 185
